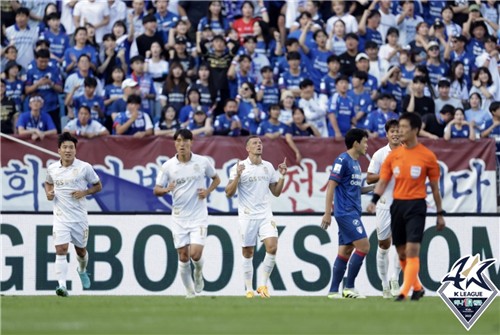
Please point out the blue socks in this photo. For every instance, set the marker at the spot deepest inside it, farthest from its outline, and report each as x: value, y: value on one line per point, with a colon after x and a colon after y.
x: 355, y: 263
x: 338, y: 271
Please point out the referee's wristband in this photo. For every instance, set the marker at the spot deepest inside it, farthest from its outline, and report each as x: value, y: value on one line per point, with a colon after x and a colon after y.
x: 375, y: 198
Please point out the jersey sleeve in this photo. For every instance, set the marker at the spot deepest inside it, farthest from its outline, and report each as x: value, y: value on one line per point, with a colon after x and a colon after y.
x: 232, y: 172
x: 162, y: 178
x: 274, y: 174
x: 338, y: 169
x: 433, y: 172
x: 210, y: 170
x: 375, y: 163
x: 90, y: 175
x: 48, y: 178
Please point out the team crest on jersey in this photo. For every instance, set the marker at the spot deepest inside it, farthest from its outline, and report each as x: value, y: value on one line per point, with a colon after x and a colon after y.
x: 359, y: 229
x: 415, y: 171
x: 265, y: 170
x: 396, y: 171
x: 356, y: 222
x: 196, y: 167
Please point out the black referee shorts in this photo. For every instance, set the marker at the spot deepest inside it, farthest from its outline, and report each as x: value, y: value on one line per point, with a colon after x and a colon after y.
x: 408, y: 221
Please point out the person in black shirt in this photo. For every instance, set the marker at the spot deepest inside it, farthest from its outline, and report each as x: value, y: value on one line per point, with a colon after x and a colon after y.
x: 150, y: 35
x: 218, y: 62
x: 348, y: 59
x: 416, y: 101
x: 7, y: 111
x: 433, y: 126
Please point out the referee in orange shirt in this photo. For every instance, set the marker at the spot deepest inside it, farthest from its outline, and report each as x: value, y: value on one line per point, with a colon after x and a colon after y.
x: 410, y: 164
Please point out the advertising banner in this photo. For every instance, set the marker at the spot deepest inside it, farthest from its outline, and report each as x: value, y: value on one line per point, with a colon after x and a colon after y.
x: 135, y: 255
x: 128, y: 168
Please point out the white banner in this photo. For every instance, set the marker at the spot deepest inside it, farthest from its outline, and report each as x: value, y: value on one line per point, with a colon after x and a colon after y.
x: 134, y: 255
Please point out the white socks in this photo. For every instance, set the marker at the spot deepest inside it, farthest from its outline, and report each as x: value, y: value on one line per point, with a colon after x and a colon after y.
x: 61, y: 269
x: 383, y: 265
x: 248, y: 273
x: 187, y: 280
x: 267, y: 268
x: 396, y: 268
x: 198, y: 265
x: 82, y: 262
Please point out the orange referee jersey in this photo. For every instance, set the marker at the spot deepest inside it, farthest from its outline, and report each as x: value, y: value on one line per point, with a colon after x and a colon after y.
x: 410, y: 168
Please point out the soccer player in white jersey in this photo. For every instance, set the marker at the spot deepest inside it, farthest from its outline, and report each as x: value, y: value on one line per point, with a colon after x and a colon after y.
x: 184, y: 176
x: 67, y: 185
x: 383, y: 214
x: 253, y: 179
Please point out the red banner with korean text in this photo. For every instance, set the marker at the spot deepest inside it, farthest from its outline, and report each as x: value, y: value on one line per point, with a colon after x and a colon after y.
x: 128, y: 168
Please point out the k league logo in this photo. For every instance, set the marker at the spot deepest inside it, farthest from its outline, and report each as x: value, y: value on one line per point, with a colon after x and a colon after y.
x: 466, y: 290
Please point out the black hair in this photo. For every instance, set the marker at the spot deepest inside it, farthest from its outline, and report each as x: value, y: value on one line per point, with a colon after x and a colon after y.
x: 305, y: 83
x: 294, y: 55
x: 209, y: 14
x: 77, y: 30
x: 23, y: 10
x: 90, y: 82
x: 332, y: 58
x: 391, y: 123
x: 447, y: 109
x: 248, y: 38
x: 340, y: 78
x: 414, y: 120
x: 108, y: 37
x: 290, y: 41
x: 40, y: 42
x: 487, y: 71
x: 65, y: 137
x: 354, y: 135
x: 360, y: 75
x: 266, y: 68
x: 419, y: 79
x: 84, y: 56
x: 134, y: 98
x: 494, y: 106
x: 227, y: 101
x: 42, y: 53
x: 242, y: 57
x: 319, y: 31
x: 87, y: 108
x: 391, y: 30
x: 184, y: 133
x: 371, y: 45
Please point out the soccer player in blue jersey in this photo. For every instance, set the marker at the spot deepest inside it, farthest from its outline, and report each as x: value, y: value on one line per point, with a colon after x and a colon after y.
x: 345, y: 183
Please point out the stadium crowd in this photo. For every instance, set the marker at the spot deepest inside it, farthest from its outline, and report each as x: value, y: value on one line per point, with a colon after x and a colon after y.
x: 234, y: 68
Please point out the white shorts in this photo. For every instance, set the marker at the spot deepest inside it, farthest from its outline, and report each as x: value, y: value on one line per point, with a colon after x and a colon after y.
x: 383, y: 223
x: 74, y: 232
x: 188, y: 232
x: 250, y: 229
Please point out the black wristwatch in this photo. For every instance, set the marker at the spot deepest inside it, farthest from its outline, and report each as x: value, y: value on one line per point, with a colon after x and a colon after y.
x: 442, y: 212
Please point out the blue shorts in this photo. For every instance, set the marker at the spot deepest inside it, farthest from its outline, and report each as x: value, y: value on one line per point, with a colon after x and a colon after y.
x: 350, y: 229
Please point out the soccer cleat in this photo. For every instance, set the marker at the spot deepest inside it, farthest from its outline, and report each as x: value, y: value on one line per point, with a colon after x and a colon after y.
x: 334, y: 295
x: 417, y: 295
x: 190, y: 295
x: 386, y: 293
x: 400, y: 297
x: 249, y: 294
x: 84, y: 277
x: 351, y: 293
x: 61, y: 291
x: 394, y: 287
x: 263, y: 291
x: 199, y: 283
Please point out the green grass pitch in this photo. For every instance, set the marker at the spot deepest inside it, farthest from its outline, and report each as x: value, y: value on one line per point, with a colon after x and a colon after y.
x: 233, y: 315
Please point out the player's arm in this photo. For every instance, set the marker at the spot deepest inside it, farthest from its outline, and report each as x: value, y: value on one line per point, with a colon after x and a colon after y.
x: 49, y: 191
x: 232, y: 186
x: 327, y: 217
x: 377, y: 193
x: 367, y: 189
x: 277, y: 187
x: 97, y: 187
x: 440, y: 224
x: 202, y: 194
x: 372, y: 178
x: 160, y: 191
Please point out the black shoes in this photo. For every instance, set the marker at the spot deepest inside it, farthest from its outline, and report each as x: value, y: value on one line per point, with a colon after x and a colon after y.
x: 417, y: 294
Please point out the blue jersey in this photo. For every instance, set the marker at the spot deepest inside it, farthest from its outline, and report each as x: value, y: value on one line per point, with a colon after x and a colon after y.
x: 376, y: 121
x: 43, y: 122
x: 246, y: 113
x: 112, y: 91
x: 362, y: 103
x: 222, y: 125
x: 15, y: 90
x: 266, y: 127
x: 289, y: 81
x: 343, y: 108
x: 92, y: 103
x: 187, y: 112
x: 467, y: 58
x: 495, y: 133
x: 475, y: 47
x: 465, y: 131
x: 73, y: 51
x: 328, y: 86
x: 270, y: 97
x: 140, y: 124
x: 317, y: 67
x: 165, y: 23
x: 215, y: 25
x: 370, y: 35
x: 205, y: 96
x: 49, y: 95
x: 58, y: 42
x: 346, y: 171
x: 267, y: 51
x: 396, y: 91
x: 239, y: 79
x: 432, y: 11
x: 436, y: 72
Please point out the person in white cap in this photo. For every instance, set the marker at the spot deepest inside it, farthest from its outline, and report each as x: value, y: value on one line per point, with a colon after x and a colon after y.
x: 371, y: 84
x: 129, y: 87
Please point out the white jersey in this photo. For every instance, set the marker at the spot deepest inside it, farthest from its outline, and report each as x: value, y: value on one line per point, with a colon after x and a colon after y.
x: 188, y: 178
x: 253, y: 189
x: 67, y: 180
x: 375, y: 164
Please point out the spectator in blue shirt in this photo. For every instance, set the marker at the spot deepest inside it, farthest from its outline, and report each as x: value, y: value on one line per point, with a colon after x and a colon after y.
x: 341, y: 112
x: 217, y: 22
x: 291, y: 79
x: 272, y: 128
x: 268, y: 92
x: 228, y: 124
x: 201, y: 123
x: 459, y: 128
x: 327, y: 85
x: 13, y: 85
x: 375, y: 123
x: 492, y: 126
x: 90, y: 99
x: 168, y: 124
x: 363, y: 103
x: 300, y: 127
x: 47, y: 82
x: 133, y: 121
x: 72, y: 54
x: 368, y: 27
x: 57, y: 37
x: 35, y: 122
